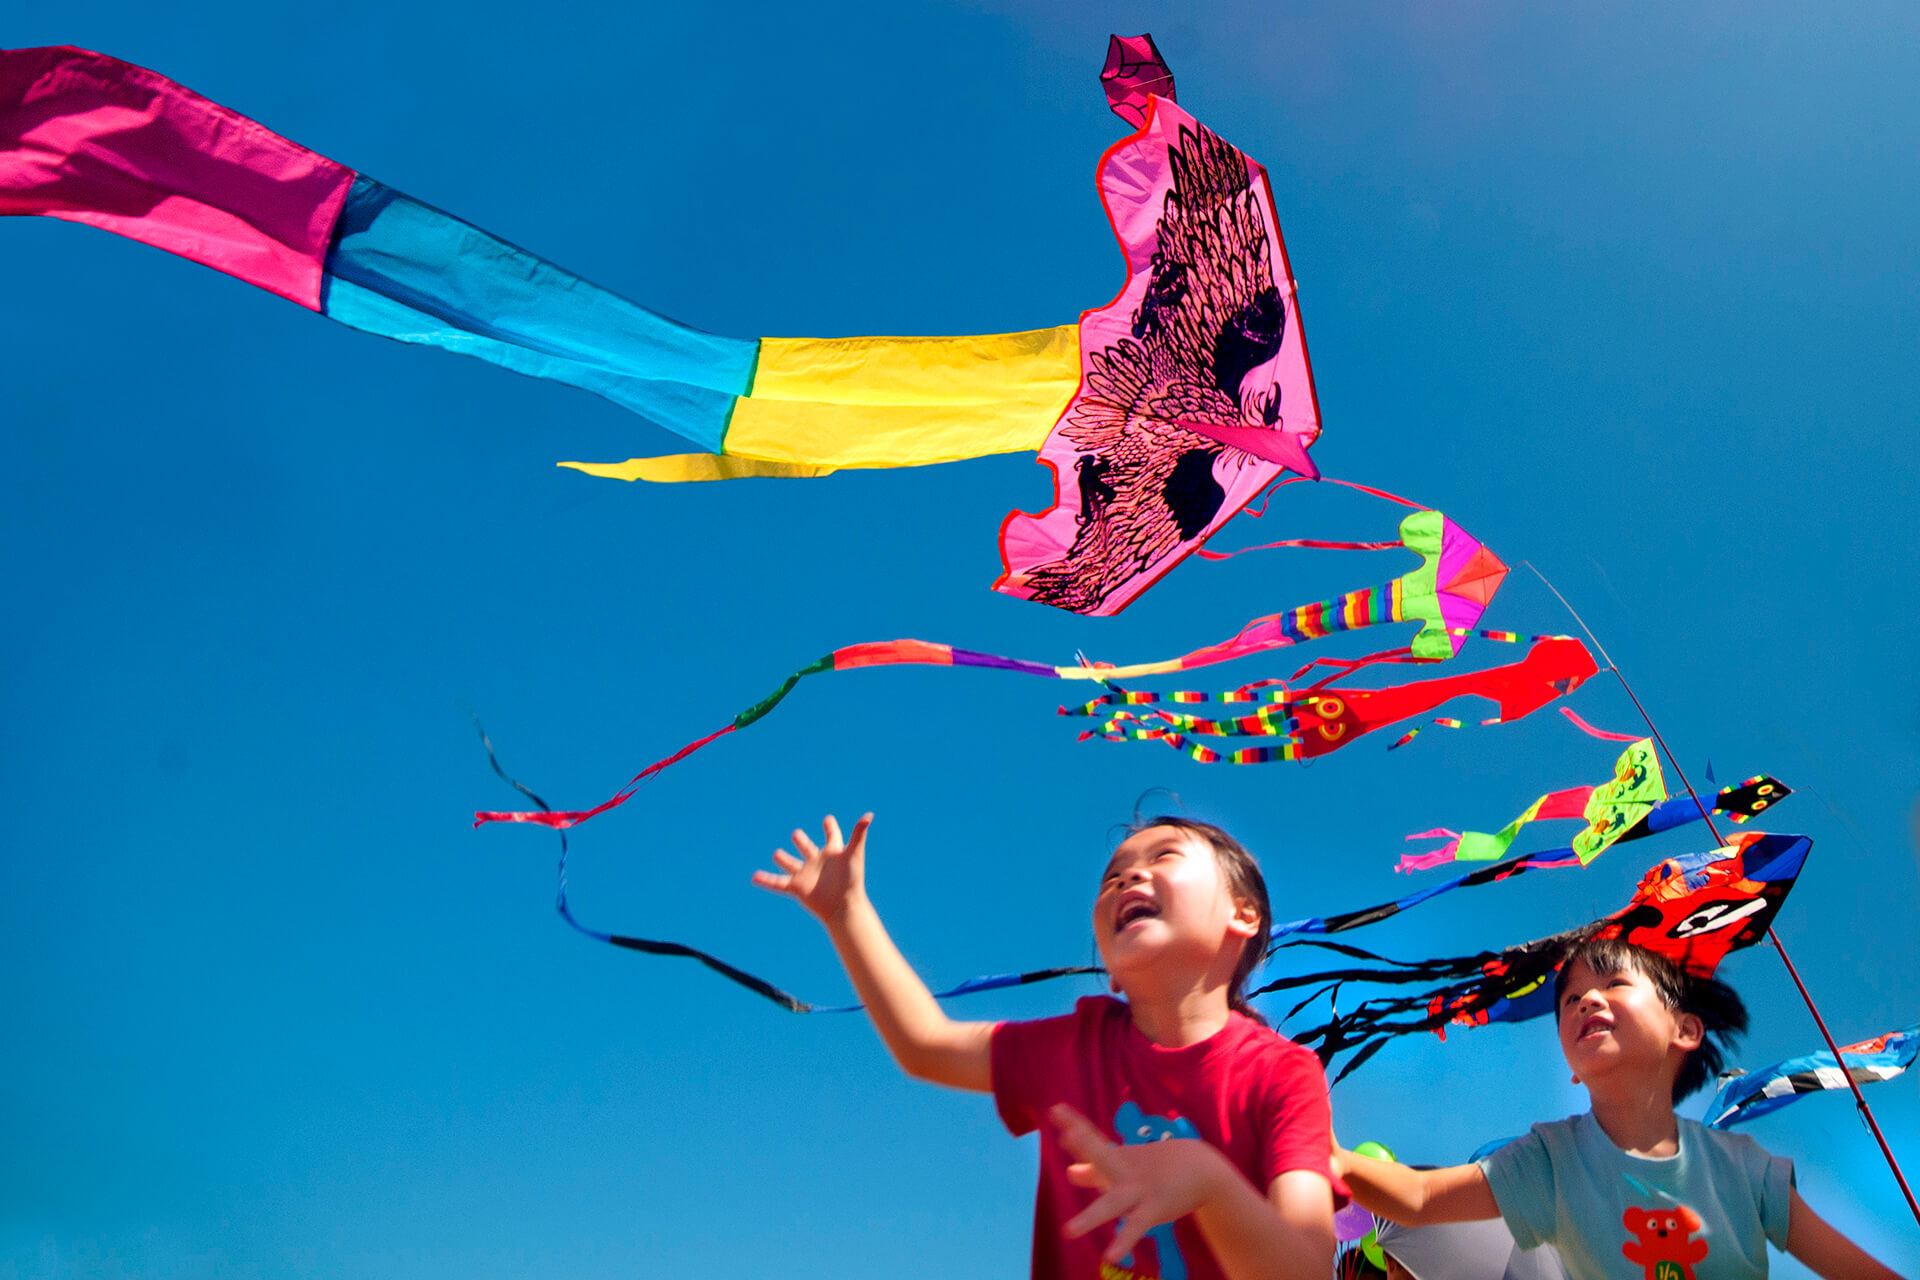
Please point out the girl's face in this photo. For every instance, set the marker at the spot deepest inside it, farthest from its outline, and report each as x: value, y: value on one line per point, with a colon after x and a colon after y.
x: 1610, y: 1021
x: 1165, y: 906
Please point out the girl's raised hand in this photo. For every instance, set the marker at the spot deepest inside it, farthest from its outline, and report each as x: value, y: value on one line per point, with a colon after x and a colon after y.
x: 825, y: 877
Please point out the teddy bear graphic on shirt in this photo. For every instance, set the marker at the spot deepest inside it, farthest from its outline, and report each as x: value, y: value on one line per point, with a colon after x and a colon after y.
x: 1134, y: 1126
x: 1662, y: 1241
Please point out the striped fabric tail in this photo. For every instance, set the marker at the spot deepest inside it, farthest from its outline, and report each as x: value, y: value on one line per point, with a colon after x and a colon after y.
x: 1349, y: 612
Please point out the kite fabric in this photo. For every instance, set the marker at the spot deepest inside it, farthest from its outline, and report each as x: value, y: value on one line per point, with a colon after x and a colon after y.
x: 1320, y: 719
x: 1751, y: 1095
x: 1135, y: 73
x: 1554, y: 673
x: 1194, y: 387
x: 1455, y: 583
x: 1175, y: 403
x: 1610, y: 810
x: 92, y: 139
x: 1693, y: 909
x: 1602, y: 734
x: 1738, y: 803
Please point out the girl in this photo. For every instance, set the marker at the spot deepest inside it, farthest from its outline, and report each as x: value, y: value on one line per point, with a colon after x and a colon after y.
x: 1220, y: 1168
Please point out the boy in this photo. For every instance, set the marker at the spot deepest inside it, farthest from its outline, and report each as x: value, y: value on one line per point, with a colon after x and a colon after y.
x: 1629, y: 1189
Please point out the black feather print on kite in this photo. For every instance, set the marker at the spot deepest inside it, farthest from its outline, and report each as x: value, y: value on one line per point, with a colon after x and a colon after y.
x: 1194, y: 391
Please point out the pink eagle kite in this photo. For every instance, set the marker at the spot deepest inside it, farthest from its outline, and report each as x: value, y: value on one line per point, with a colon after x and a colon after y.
x: 1195, y: 391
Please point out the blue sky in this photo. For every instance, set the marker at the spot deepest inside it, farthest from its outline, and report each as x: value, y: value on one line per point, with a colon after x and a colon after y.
x: 1627, y: 291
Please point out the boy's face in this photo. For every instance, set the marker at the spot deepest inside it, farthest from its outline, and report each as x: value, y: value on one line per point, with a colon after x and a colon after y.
x: 1613, y: 1023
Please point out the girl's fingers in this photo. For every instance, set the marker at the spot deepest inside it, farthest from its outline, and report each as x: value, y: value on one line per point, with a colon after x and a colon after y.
x: 832, y: 839
x: 1127, y: 1235
x: 1078, y: 1135
x: 1085, y: 1175
x: 1108, y: 1207
x: 773, y: 883
x: 786, y: 861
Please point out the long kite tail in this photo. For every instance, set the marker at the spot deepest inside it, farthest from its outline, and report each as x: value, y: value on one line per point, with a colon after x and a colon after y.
x: 1369, y: 1026
x: 91, y: 139
x: 1254, y: 638
x: 88, y: 138
x: 648, y: 946
x: 732, y: 973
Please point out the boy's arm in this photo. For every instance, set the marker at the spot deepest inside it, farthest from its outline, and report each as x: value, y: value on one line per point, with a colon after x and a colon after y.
x: 1814, y: 1241
x: 830, y: 881
x: 1416, y: 1197
x: 1286, y: 1235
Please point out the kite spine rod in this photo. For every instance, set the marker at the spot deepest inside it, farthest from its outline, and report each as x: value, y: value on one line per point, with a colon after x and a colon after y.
x: 1833, y: 1046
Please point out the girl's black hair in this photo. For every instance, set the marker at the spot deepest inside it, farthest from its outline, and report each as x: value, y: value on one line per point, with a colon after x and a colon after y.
x: 1717, y: 1005
x: 1244, y: 882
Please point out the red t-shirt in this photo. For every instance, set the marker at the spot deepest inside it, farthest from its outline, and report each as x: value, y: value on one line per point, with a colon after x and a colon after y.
x: 1251, y: 1092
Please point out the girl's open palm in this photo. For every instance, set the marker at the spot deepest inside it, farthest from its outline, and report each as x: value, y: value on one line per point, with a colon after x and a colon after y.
x: 1142, y: 1185
x: 825, y: 877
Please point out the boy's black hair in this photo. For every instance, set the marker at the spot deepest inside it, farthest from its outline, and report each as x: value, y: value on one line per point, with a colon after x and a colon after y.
x: 1717, y: 1005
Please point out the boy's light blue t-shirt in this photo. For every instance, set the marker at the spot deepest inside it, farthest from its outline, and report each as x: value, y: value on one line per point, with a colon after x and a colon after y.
x: 1706, y: 1212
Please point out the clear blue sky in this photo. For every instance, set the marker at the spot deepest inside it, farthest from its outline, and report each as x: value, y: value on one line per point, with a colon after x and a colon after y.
x: 1628, y: 290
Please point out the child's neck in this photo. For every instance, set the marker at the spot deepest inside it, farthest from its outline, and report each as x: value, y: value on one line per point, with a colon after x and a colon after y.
x: 1176, y: 1019
x: 1636, y: 1115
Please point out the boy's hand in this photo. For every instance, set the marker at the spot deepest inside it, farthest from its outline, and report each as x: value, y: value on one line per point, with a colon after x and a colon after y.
x: 1145, y: 1185
x: 825, y: 878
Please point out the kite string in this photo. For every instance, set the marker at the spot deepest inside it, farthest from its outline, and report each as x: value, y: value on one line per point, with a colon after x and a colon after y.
x: 1833, y: 1046
x: 1284, y: 481
x: 1314, y: 544
x: 1310, y: 544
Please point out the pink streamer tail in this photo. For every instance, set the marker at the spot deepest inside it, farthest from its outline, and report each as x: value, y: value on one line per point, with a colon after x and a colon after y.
x: 1432, y: 857
x: 560, y: 820
x: 1592, y: 732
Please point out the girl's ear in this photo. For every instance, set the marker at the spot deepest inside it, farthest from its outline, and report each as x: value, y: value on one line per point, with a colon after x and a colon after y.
x: 1246, y: 920
x: 1690, y: 1033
